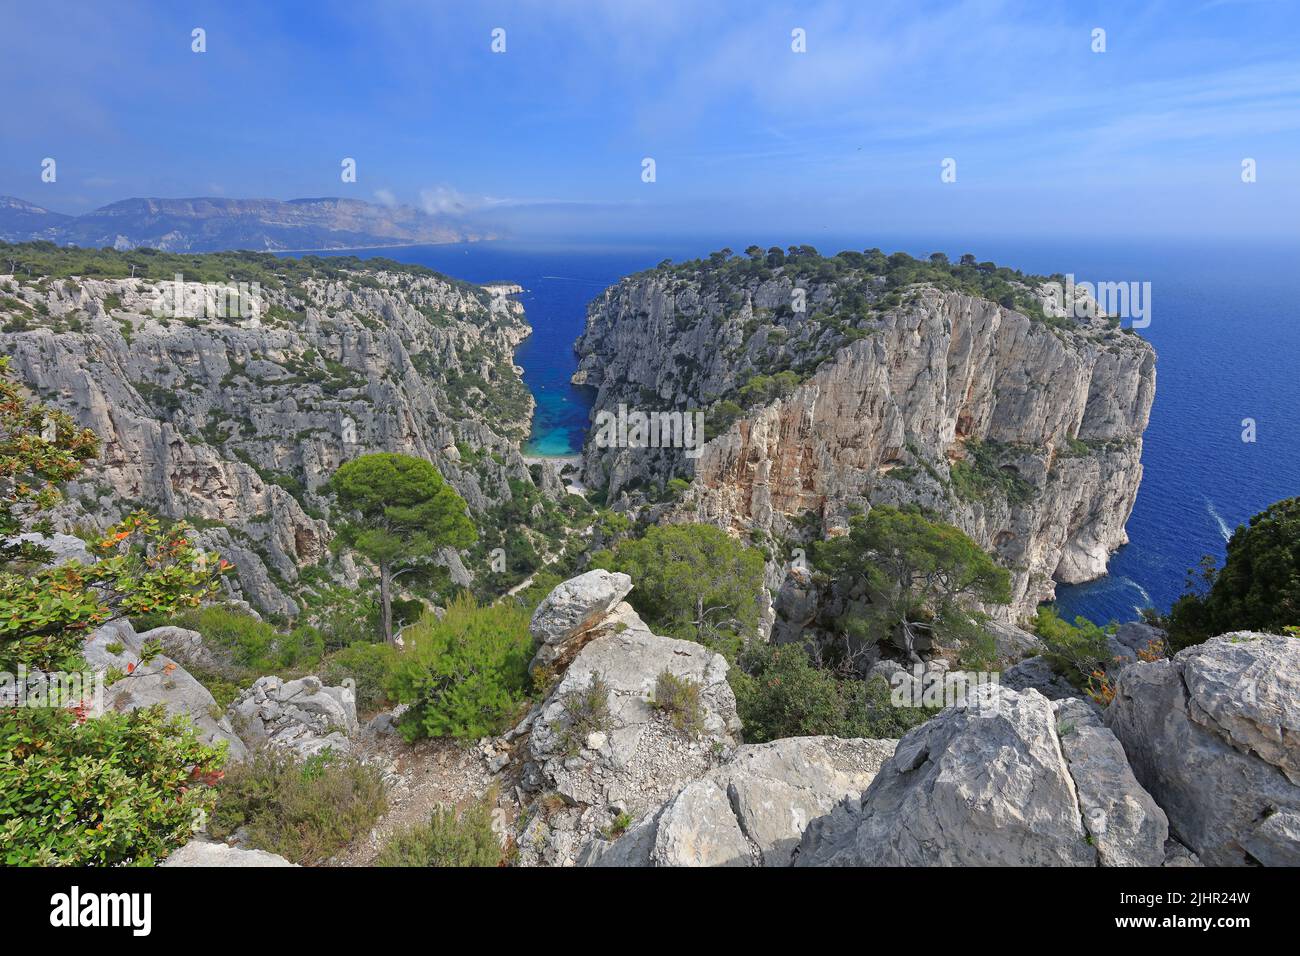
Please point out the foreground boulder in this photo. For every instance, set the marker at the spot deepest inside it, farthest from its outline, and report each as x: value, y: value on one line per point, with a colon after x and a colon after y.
x: 117, y: 647
x: 1214, y: 735
x: 301, y: 715
x: 566, y: 616
x: 634, y: 758
x: 991, y: 783
x: 205, y: 853
x: 752, y: 810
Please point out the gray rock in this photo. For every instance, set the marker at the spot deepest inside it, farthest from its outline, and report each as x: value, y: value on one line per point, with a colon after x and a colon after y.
x: 1037, y: 673
x: 751, y: 810
x: 1126, y: 826
x: 64, y: 547
x: 161, y: 681
x: 644, y: 760
x: 302, y: 715
x: 1214, y: 735
x: 205, y: 853
x: 985, y: 784
x: 572, y: 609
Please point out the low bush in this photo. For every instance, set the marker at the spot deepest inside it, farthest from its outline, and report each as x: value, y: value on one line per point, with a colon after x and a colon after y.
x: 679, y: 697
x: 122, y: 789
x: 1079, y: 652
x: 586, y: 711
x: 781, y: 693
x: 250, y: 644
x: 448, y: 839
x: 369, y: 666
x: 466, y: 675
x: 304, y: 810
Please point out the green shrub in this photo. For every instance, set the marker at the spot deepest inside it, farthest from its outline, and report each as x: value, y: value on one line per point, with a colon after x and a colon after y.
x: 304, y: 810
x: 1077, y: 651
x: 679, y: 697
x: 448, y: 839
x: 250, y: 644
x: 693, y: 581
x: 586, y: 711
x: 780, y: 693
x: 369, y: 666
x: 466, y: 675
x: 123, y: 789
x: 1258, y: 587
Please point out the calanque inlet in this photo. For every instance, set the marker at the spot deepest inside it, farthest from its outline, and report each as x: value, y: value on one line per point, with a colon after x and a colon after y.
x: 813, y: 631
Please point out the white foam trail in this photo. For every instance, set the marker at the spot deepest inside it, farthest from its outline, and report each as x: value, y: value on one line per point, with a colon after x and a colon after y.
x: 1223, y: 525
x: 1140, y: 590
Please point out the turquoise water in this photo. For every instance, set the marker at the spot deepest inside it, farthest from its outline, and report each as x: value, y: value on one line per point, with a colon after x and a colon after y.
x: 558, y: 284
x: 1223, y: 321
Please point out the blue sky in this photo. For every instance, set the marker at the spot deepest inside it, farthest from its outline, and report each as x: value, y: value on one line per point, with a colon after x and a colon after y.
x: 547, y: 139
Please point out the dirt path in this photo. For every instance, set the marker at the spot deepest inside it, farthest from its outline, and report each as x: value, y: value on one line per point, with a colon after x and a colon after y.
x: 421, y: 776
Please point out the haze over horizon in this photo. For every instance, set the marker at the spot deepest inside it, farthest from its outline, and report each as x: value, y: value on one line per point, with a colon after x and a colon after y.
x: 547, y: 139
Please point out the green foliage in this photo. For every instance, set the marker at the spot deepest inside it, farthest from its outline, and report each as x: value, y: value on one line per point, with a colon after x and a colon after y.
x: 1077, y: 651
x: 780, y: 693
x: 448, y: 839
x: 304, y: 810
x: 1258, y: 587
x: 466, y: 675
x: 763, y: 389
x: 916, y: 573
x: 679, y: 698
x: 271, y: 271
x: 369, y: 666
x: 45, y: 611
x: 123, y: 789
x: 251, y: 644
x: 693, y: 581
x: 403, y: 513
x: 985, y: 475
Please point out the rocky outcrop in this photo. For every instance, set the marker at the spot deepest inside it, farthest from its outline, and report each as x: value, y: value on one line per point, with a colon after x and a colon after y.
x: 118, y: 650
x: 207, y: 853
x: 237, y: 422
x: 566, y: 616
x: 1046, y: 420
x: 752, y: 810
x: 1214, y: 735
x: 1005, y: 780
x: 631, y: 757
x: 300, y: 715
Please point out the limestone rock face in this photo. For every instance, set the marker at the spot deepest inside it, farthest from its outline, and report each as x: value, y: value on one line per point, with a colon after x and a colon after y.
x: 205, y: 853
x: 237, y: 423
x: 63, y: 547
x: 1126, y: 826
x: 301, y: 715
x: 638, y: 758
x: 883, y: 419
x: 160, y: 681
x: 991, y: 783
x: 572, y: 609
x: 1214, y: 735
x: 752, y: 810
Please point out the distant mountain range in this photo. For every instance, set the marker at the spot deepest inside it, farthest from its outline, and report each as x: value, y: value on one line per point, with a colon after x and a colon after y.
x: 209, y: 225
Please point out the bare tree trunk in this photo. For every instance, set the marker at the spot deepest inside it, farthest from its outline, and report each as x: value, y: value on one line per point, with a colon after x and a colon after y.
x: 386, y: 599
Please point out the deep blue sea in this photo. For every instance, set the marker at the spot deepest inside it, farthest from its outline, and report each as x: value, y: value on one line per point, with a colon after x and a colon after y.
x: 1224, y: 321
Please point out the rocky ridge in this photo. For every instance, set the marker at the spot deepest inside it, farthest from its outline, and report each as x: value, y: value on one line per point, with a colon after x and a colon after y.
x: 236, y: 423
x: 1026, y: 434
